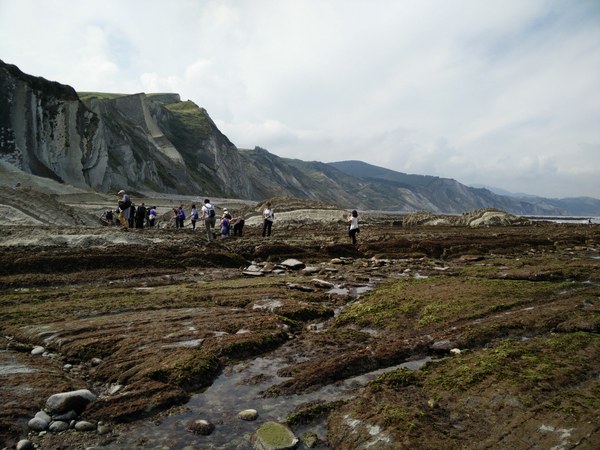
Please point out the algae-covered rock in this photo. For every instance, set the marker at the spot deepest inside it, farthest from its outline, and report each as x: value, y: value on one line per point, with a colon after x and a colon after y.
x: 274, y: 436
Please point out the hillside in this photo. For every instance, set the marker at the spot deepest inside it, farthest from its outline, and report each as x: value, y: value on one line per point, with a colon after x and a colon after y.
x: 158, y: 144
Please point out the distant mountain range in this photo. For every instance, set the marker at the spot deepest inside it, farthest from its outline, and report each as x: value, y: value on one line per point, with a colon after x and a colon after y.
x: 156, y: 143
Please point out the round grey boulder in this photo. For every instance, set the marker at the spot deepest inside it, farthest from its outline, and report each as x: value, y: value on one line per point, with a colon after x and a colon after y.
x: 67, y: 401
x: 37, y: 424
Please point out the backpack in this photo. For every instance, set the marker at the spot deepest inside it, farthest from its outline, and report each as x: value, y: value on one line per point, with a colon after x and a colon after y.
x: 211, y: 212
x: 195, y: 215
x: 124, y: 204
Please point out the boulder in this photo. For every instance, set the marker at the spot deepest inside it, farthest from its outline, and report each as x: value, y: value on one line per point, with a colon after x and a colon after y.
x: 67, y: 401
x: 274, y: 436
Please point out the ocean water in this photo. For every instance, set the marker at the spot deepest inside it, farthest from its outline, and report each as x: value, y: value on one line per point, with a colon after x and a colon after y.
x: 572, y: 220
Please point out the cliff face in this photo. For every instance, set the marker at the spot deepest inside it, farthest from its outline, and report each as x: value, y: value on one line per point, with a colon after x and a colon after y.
x: 45, y: 130
x: 107, y: 142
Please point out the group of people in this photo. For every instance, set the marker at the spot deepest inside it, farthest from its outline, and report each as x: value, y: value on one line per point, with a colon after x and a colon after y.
x: 129, y: 216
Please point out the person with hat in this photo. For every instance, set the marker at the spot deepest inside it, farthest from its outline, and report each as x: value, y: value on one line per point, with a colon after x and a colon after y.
x: 124, y: 205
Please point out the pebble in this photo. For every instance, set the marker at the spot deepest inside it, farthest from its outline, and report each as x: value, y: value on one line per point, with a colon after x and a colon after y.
x: 38, y: 350
x: 103, y: 429
x: 24, y: 444
x: 44, y: 416
x: 58, y: 425
x: 201, y: 426
x: 37, y: 424
x: 84, y: 425
x: 248, y: 414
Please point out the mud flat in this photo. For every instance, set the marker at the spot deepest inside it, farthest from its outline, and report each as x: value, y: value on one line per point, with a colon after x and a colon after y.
x: 419, y: 337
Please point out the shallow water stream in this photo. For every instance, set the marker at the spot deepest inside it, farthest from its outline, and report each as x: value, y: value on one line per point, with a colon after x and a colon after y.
x: 231, y: 393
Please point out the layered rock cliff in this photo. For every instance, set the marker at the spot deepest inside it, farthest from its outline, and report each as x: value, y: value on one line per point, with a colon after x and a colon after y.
x: 106, y: 141
x: 46, y: 130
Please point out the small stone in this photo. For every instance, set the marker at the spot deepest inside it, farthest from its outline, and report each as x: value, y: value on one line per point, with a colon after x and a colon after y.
x: 114, y: 389
x: 104, y: 429
x: 57, y: 426
x: 455, y: 351
x: 441, y: 345
x: 24, y: 444
x: 310, y: 270
x: 96, y: 361
x: 84, y: 425
x: 38, y: 350
x: 248, y: 414
x: 293, y: 264
x: 322, y: 283
x: 66, y: 416
x: 251, y: 273
x: 201, y: 426
x: 44, y: 416
x: 67, y: 367
x: 37, y: 424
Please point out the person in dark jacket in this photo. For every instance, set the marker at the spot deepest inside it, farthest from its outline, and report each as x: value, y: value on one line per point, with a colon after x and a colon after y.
x: 140, y: 216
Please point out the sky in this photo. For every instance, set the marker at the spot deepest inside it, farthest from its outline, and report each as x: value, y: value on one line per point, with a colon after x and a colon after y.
x: 502, y: 93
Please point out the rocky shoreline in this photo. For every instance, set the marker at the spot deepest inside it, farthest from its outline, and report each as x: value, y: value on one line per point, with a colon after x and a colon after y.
x: 148, y: 321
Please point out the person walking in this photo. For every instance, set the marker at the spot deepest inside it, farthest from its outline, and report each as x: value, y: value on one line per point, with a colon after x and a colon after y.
x: 140, y: 216
x: 152, y: 216
x: 268, y: 218
x: 180, y: 217
x: 353, y: 229
x: 124, y: 205
x: 209, y: 217
x: 194, y: 216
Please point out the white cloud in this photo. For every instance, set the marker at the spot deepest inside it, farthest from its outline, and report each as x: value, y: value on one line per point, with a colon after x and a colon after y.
x: 502, y: 93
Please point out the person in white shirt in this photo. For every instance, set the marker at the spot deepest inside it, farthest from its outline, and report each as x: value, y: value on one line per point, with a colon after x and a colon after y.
x: 353, y: 230
x: 268, y: 217
x: 209, y: 217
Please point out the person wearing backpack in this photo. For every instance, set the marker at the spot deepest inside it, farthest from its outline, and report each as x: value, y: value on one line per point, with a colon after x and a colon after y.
x: 268, y: 217
x: 209, y: 217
